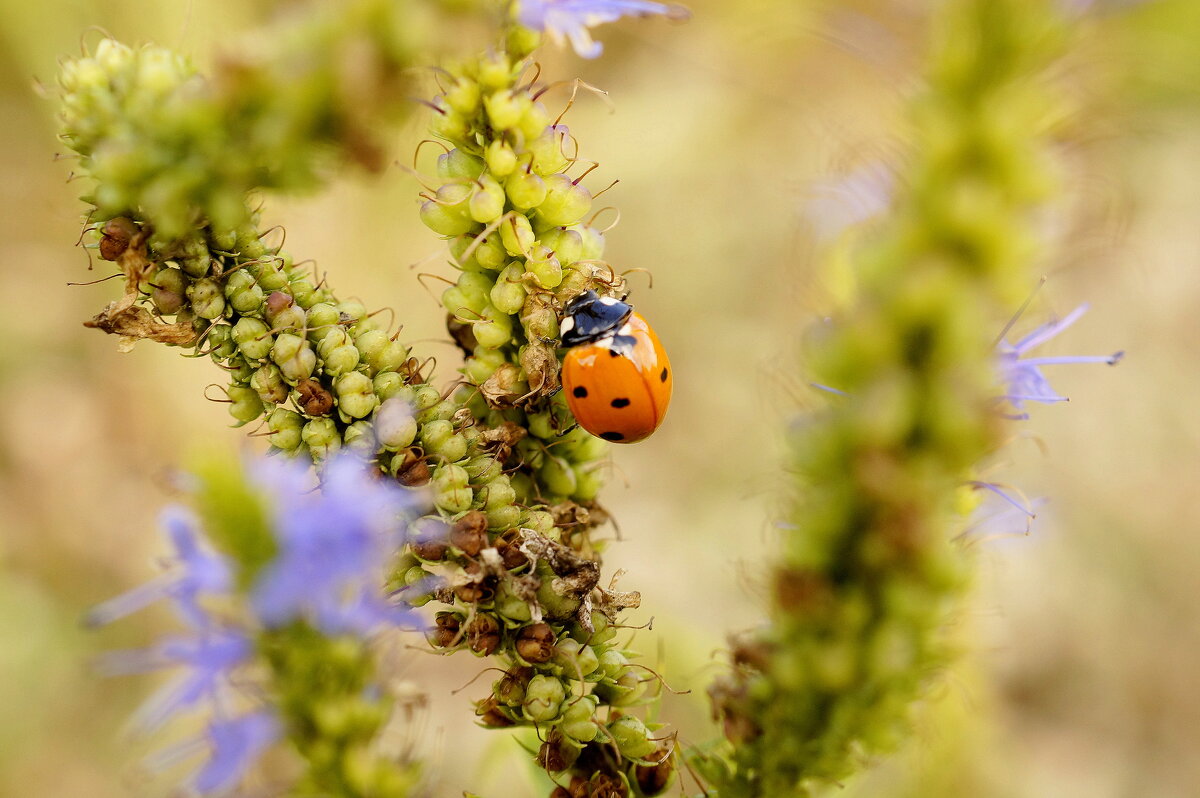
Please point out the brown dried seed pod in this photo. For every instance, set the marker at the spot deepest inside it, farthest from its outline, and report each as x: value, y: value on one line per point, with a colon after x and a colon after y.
x: 469, y: 533
x: 654, y: 779
x: 483, y: 634
x: 115, y: 237
x: 510, y: 550
x: 430, y: 539
x: 482, y: 589
x: 448, y: 631
x: 413, y: 470
x: 315, y: 399
x: 535, y: 643
x: 490, y: 714
x: 556, y: 754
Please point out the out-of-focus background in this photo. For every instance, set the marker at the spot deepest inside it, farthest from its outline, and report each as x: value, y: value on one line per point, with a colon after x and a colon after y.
x: 729, y: 136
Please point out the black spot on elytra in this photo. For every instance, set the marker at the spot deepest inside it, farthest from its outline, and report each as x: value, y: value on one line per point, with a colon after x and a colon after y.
x: 580, y: 392
x: 663, y: 375
x: 619, y: 403
x: 612, y: 436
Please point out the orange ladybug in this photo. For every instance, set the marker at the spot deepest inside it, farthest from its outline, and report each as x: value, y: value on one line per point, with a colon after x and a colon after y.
x: 616, y: 373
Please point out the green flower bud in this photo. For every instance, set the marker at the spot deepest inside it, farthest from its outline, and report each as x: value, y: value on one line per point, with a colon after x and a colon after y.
x: 305, y: 293
x: 558, y: 476
x: 434, y: 434
x: 593, y: 242
x: 342, y: 360
x: 496, y: 329
x: 269, y: 384
x: 505, y: 108
x: 197, y: 265
x: 245, y: 405
x: 544, y: 267
x: 243, y: 292
x: 285, y: 426
x: 206, y: 298
x: 253, y: 338
x: 220, y: 342
x: 240, y: 371
x: 494, y: 70
x: 504, y: 517
x: 543, y: 698
x: 487, y: 200
x: 359, y: 438
x: 169, y: 289
x: 511, y: 606
x: 548, y: 150
x: 425, y: 397
x: 443, y: 220
x: 351, y: 311
x: 565, y: 203
x: 355, y: 394
x: 576, y: 659
x: 516, y: 234
x: 508, y: 294
x: 498, y: 492
x: 539, y: 521
x: 395, y: 426
x: 623, y: 690
x: 334, y: 337
x: 390, y: 385
x: 451, y: 490
x: 447, y: 123
x: 458, y: 165
x: 535, y: 121
x: 463, y: 97
x: 269, y: 275
x: 320, y: 319
x: 632, y: 737
x: 321, y: 437
x: 500, y: 158
x: 578, y: 720
x: 483, y: 468
x: 294, y: 356
x: 567, y: 245
x: 490, y: 253
x: 370, y: 343
x: 525, y: 189
x: 589, y: 479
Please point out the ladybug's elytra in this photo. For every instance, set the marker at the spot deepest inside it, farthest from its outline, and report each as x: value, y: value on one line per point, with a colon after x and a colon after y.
x: 616, y: 374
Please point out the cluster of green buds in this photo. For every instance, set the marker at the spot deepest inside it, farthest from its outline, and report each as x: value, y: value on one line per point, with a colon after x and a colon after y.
x: 522, y: 578
x: 518, y: 231
x: 512, y: 479
x: 868, y: 569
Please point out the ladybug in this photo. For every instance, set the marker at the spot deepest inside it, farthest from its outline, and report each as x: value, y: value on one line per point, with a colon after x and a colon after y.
x: 615, y: 373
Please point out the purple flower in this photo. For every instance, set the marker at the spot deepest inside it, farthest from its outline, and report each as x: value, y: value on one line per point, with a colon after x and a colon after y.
x: 334, y: 543
x: 235, y: 744
x: 208, y: 657
x: 1022, y: 376
x: 571, y: 19
x: 196, y: 572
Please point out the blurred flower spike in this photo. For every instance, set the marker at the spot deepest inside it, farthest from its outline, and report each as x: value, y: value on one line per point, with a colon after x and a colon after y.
x: 571, y: 20
x: 332, y: 544
x: 1022, y: 376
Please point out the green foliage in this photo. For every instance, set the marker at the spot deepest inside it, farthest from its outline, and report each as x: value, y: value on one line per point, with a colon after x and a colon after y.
x: 867, y: 571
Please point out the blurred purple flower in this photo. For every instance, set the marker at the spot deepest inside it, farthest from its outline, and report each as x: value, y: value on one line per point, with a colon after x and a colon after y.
x: 1022, y: 376
x: 334, y: 541
x: 198, y: 572
x: 334, y: 544
x: 571, y: 19
x: 235, y: 744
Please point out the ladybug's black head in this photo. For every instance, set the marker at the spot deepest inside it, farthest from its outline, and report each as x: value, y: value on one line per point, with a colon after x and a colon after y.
x: 589, y: 317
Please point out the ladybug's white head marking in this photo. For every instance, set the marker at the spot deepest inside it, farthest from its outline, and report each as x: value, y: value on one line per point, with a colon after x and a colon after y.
x: 607, y: 300
x: 567, y: 325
